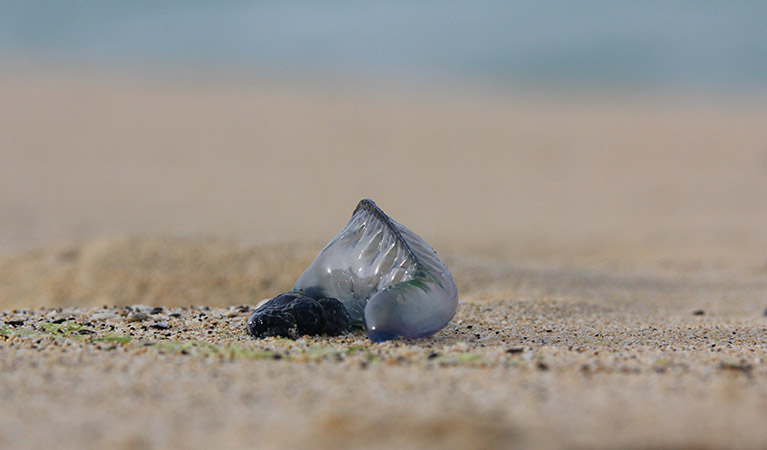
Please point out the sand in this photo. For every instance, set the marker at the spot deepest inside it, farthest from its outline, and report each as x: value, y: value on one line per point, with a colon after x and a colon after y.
x: 610, y: 253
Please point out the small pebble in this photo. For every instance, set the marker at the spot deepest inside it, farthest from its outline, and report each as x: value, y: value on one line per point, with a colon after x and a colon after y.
x: 163, y: 325
x: 103, y: 316
x: 140, y: 308
x: 698, y: 312
x: 137, y: 317
x: 157, y: 310
x: 514, y: 350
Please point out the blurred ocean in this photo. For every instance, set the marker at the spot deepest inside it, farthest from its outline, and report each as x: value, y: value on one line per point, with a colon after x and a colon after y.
x: 655, y: 43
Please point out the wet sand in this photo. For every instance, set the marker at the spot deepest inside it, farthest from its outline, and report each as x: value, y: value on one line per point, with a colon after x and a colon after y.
x: 610, y: 253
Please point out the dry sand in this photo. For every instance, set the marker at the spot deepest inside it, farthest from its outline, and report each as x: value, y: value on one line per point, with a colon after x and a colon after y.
x: 611, y: 257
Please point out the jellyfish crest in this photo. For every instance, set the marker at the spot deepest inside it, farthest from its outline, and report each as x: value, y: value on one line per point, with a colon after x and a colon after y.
x: 385, y: 275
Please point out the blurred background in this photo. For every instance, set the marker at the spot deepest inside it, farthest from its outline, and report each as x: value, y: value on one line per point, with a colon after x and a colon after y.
x: 610, y: 131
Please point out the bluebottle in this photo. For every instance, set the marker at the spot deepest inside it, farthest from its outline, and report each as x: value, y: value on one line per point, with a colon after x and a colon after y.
x: 375, y: 273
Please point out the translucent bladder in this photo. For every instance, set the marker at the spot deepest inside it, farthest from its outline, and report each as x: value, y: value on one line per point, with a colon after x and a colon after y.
x: 387, y: 278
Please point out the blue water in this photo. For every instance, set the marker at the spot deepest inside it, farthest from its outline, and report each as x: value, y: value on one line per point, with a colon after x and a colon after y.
x: 700, y: 44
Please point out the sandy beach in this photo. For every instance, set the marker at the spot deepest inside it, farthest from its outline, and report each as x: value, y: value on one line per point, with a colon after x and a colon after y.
x: 610, y: 253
